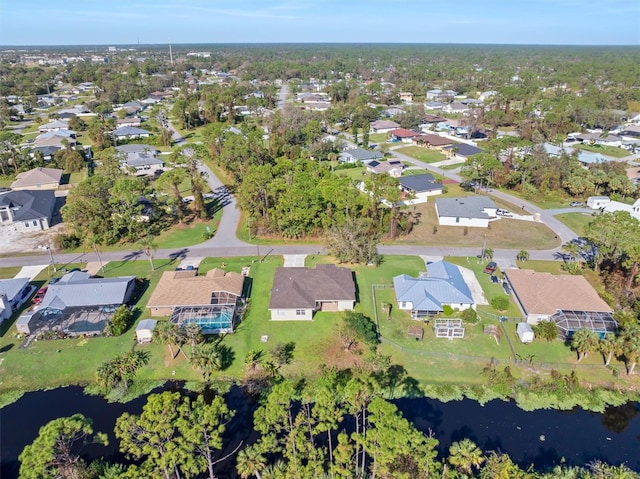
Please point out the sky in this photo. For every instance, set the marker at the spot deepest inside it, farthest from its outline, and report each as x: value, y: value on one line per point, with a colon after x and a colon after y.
x: 116, y: 22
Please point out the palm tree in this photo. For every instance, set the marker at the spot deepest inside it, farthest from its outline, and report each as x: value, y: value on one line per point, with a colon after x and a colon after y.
x: 206, y: 359
x: 465, y: 455
x: 488, y: 253
x: 250, y: 462
x: 149, y: 247
x: 523, y: 255
x: 127, y: 364
x: 630, y: 345
x: 608, y: 346
x: 168, y: 333
x: 252, y: 359
x: 193, y: 332
x: 584, y: 341
x: 572, y: 249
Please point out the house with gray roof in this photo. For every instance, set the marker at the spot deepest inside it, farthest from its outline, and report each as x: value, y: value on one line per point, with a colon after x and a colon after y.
x: 462, y: 151
x: 427, y: 295
x: 417, y: 188
x: 129, y: 133
x: 13, y: 293
x: 383, y: 126
x: 298, y: 293
x: 39, y: 178
x: 78, y: 304
x: 474, y: 211
x: 354, y: 155
x: 27, y: 210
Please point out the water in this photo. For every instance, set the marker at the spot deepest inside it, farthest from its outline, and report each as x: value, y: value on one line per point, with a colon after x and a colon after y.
x: 542, y: 438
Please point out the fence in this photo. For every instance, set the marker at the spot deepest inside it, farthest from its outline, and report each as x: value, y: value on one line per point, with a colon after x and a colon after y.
x: 517, y: 359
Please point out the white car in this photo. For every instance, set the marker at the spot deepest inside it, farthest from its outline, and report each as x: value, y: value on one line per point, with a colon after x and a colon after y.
x: 505, y: 213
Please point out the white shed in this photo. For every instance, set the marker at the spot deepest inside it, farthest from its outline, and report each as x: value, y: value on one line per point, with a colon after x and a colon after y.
x: 525, y: 333
x: 144, y: 330
x: 597, y: 202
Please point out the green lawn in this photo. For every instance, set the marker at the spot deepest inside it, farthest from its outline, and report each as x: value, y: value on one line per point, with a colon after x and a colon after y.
x: 9, y: 272
x: 378, y: 137
x: 576, y: 221
x: 422, y: 154
x: 605, y: 150
x: 541, y: 266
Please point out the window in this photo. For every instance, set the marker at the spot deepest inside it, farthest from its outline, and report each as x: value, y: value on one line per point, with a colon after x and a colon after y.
x: 403, y: 304
x: 35, y: 223
x: 300, y: 312
x: 26, y: 224
x: 457, y: 219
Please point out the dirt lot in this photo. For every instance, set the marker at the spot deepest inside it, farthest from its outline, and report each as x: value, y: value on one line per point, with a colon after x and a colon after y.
x: 13, y: 242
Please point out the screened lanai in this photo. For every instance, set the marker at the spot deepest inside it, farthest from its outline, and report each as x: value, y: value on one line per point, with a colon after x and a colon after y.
x: 569, y: 322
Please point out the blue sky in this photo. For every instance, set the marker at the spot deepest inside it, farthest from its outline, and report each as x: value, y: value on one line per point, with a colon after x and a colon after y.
x: 65, y: 22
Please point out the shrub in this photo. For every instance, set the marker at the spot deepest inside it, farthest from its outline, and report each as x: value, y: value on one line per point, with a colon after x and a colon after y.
x: 68, y: 241
x: 546, y: 330
x: 119, y: 322
x: 469, y: 315
x: 447, y: 311
x: 501, y: 303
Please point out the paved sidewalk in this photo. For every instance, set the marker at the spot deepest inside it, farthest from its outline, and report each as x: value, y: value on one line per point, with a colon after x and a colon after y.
x: 294, y: 260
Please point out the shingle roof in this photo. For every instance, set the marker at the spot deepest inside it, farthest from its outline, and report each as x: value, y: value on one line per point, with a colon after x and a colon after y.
x: 463, y: 149
x: 143, y: 159
x: 302, y: 287
x: 384, y: 124
x: 434, y: 140
x: 464, y: 207
x: 362, y: 154
x: 78, y: 289
x: 37, y: 176
x: 33, y: 204
x: 404, y: 133
x: 443, y: 285
x: 544, y: 293
x: 420, y: 183
x: 186, y: 288
x: 136, y: 148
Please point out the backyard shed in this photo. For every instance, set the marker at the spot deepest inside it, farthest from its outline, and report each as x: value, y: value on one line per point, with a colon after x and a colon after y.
x: 144, y: 330
x: 525, y: 332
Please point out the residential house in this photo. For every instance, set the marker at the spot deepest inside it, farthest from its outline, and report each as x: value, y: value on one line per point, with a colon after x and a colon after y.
x: 129, y: 121
x: 434, y: 105
x: 568, y: 300
x: 431, y: 120
x: 383, y: 126
x: 462, y: 151
x: 132, y: 107
x: 53, y: 125
x: 598, y: 202
x: 47, y: 152
x: 14, y: 293
x: 630, y: 132
x: 129, y: 133
x: 212, y: 301
x: 38, y: 179
x: 633, y: 210
x: 354, y: 155
x: 298, y: 293
x: 486, y: 95
x: 404, y: 135
x: 599, y: 139
x: 78, y: 304
x: 391, y: 167
x: 474, y: 211
x: 56, y: 138
x: 392, y: 112
x: 435, y: 142
x: 455, y: 107
x: 143, y: 158
x: 427, y: 295
x: 406, y: 97
x: 27, y: 210
x: 417, y: 188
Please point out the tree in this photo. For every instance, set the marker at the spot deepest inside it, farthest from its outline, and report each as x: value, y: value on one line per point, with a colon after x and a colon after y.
x: 193, y: 333
x: 149, y: 248
x: 250, y: 462
x: 206, y: 358
x: 501, y: 303
x: 354, y: 241
x: 202, y: 426
x: 608, y: 346
x: 584, y: 341
x: 630, y: 345
x: 464, y: 456
x: 523, y: 255
x: 282, y: 353
x: 546, y: 329
x: 56, y: 451
x: 170, y: 181
x: 119, y: 321
x: 500, y: 466
x: 358, y: 328
x: 153, y: 436
x: 121, y: 369
x: 168, y: 333
x: 191, y: 156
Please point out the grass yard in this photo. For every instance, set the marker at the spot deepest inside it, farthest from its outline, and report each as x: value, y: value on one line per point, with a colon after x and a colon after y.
x: 358, y: 173
x: 607, y: 150
x: 378, y: 137
x: 9, y: 272
x: 576, y: 221
x: 422, y: 154
x: 541, y: 266
x: 502, y: 233
x: 547, y: 201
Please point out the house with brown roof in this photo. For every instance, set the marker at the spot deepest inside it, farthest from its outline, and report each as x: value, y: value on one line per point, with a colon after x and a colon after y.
x: 38, y: 179
x: 435, y: 142
x: 298, y: 293
x: 211, y: 300
x: 404, y: 135
x: 383, y: 126
x: 541, y: 295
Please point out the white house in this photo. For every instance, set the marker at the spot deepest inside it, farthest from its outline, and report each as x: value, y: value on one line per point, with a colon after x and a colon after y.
x: 13, y: 293
x: 598, y: 202
x: 474, y: 211
x: 417, y: 188
x: 383, y: 126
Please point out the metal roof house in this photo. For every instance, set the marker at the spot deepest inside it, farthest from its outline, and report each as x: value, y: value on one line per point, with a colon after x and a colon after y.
x: 13, y: 293
x: 298, y: 293
x: 443, y: 285
x: 353, y: 155
x: 472, y: 211
x: 78, y: 304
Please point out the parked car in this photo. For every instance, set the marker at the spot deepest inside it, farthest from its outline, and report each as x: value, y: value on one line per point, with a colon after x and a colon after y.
x: 37, y: 299
x: 494, y: 279
x: 54, y: 280
x: 576, y: 203
x: 491, y: 267
x: 507, y: 288
x: 505, y: 213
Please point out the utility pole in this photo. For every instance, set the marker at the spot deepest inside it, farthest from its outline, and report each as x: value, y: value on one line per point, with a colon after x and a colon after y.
x: 170, y: 54
x: 53, y: 264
